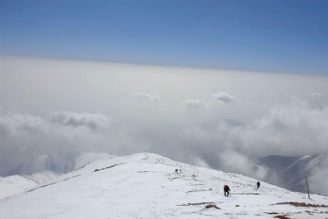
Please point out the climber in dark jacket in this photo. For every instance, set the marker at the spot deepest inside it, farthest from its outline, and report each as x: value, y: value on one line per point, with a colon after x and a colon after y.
x: 226, y: 190
x: 258, y: 184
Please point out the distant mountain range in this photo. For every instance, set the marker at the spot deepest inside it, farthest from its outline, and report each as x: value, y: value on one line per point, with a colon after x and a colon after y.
x: 290, y: 171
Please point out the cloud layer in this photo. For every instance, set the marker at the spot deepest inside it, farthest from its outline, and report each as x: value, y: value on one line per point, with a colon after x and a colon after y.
x: 294, y: 129
x: 90, y: 120
x: 223, y: 97
x: 193, y: 103
x: 208, y: 117
x: 25, y: 138
x: 143, y: 96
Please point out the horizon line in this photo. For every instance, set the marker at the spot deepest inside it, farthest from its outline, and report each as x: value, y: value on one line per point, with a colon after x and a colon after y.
x: 106, y: 61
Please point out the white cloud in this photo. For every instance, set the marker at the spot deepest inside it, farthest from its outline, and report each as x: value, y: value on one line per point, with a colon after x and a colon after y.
x: 223, y: 97
x: 19, y: 122
x: 25, y: 138
x: 316, y: 94
x: 90, y: 120
x: 142, y: 96
x: 295, y: 129
x: 192, y: 103
x: 234, y: 161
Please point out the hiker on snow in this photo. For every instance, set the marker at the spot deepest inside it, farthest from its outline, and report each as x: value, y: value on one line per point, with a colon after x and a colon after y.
x: 258, y: 185
x: 226, y: 190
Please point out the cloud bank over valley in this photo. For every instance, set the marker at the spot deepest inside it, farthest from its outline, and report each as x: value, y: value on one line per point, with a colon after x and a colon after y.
x: 226, y: 120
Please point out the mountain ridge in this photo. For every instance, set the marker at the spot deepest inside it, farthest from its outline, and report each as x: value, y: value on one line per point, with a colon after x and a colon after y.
x: 146, y: 185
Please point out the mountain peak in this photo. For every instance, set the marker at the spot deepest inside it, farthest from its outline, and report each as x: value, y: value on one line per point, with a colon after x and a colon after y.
x: 146, y: 185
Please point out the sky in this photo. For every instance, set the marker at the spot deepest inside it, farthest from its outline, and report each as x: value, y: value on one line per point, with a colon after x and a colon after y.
x: 268, y: 36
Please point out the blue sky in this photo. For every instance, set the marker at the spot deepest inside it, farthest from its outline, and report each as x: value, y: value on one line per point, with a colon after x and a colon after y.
x: 271, y: 35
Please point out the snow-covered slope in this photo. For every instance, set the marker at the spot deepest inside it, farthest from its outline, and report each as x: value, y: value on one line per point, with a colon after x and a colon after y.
x: 146, y: 185
x: 16, y: 184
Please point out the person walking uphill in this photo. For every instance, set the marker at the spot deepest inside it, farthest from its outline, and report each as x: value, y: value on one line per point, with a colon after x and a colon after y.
x: 258, y: 185
x: 226, y: 190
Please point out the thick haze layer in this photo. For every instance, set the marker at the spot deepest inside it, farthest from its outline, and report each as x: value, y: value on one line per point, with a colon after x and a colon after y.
x: 217, y: 118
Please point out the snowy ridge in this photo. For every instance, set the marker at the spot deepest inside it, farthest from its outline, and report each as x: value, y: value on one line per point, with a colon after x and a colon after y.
x: 15, y: 184
x: 145, y: 185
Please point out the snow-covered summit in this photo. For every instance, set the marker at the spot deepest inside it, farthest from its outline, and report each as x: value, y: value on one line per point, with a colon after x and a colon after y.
x: 146, y: 185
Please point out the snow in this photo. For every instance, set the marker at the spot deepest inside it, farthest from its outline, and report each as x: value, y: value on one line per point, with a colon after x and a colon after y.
x: 16, y: 184
x: 145, y: 185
